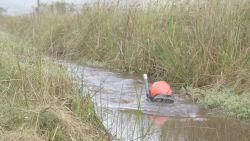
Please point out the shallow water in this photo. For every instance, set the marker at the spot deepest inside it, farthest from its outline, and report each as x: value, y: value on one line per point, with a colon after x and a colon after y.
x: 121, y: 104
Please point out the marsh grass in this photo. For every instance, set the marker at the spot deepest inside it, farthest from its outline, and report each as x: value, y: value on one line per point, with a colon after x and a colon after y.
x: 199, y: 43
x: 224, y: 101
x: 39, y: 99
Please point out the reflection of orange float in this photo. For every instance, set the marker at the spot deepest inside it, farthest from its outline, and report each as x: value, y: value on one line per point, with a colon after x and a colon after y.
x: 158, y: 120
x: 158, y: 91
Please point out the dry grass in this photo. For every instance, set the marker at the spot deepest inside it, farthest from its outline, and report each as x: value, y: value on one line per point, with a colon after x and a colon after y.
x: 204, y: 43
x: 39, y: 100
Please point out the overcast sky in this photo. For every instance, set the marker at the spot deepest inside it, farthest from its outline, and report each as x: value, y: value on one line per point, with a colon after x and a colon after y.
x: 14, y: 7
x: 25, y: 6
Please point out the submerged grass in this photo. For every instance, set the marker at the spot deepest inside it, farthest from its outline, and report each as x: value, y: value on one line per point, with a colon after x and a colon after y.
x: 39, y: 100
x: 198, y: 43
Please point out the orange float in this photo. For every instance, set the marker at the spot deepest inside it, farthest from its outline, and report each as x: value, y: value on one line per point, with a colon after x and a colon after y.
x: 160, y: 88
x: 159, y: 91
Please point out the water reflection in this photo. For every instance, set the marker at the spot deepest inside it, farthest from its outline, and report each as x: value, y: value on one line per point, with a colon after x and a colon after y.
x: 212, y: 129
x: 159, y: 121
x: 120, y: 103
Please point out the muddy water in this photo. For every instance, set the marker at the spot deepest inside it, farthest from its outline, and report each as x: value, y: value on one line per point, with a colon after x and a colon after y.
x: 121, y: 104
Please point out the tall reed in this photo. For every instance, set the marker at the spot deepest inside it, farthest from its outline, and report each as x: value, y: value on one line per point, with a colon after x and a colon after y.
x: 39, y: 100
x: 199, y: 43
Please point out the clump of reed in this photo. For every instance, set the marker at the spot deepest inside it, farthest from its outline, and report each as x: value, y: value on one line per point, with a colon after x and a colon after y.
x: 199, y: 43
x: 39, y: 100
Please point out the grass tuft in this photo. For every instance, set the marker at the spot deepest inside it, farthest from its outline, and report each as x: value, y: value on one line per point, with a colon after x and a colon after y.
x: 37, y: 98
x: 224, y: 100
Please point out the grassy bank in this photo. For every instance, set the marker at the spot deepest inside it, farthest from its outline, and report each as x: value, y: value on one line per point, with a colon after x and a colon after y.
x: 223, y: 102
x: 203, y: 44
x: 39, y: 100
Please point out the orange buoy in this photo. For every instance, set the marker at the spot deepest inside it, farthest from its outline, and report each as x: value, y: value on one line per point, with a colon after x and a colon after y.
x: 160, y: 88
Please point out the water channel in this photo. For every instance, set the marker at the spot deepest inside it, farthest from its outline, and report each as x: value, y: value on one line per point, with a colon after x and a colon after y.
x: 121, y: 104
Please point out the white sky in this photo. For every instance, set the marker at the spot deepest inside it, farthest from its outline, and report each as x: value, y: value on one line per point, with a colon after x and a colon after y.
x: 14, y: 7
x: 25, y: 6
